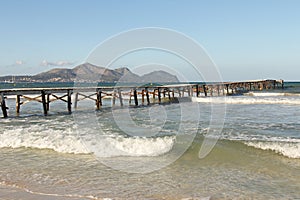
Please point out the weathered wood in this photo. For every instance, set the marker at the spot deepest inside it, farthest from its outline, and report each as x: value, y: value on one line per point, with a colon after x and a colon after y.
x: 114, y: 98
x: 158, y: 94
x: 120, y: 97
x: 99, y: 99
x: 204, y: 90
x: 69, y: 101
x: 169, y: 95
x: 189, y: 91
x: 18, y: 103
x: 44, y: 102
x: 130, y: 95
x: 76, y: 99
x: 147, y: 96
x: 197, y: 90
x: 135, y: 97
x: 227, y: 89
x: 143, y: 96
x: 48, y: 102
x: 33, y: 99
x: 64, y: 94
x: 3, y: 106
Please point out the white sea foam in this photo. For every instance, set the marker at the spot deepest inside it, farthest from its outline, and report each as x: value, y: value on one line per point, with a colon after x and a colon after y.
x: 67, y: 141
x: 288, y: 149
x: 133, y: 146
x: 58, y: 140
x: 270, y: 94
x: 248, y: 100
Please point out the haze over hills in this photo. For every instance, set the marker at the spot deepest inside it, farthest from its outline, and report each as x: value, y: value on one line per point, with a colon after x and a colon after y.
x: 91, y: 73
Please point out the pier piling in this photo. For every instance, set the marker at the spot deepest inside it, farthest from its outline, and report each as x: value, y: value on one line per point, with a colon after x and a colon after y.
x: 135, y: 97
x: 44, y: 102
x: 47, y: 95
x: 3, y: 106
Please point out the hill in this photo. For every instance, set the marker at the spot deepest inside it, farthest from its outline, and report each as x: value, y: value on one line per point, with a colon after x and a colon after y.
x: 91, y: 73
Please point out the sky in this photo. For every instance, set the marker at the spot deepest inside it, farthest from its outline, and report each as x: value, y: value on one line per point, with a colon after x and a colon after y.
x: 246, y: 40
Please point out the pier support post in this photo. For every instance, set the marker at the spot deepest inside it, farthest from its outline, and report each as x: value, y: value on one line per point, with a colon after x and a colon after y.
x: 120, y: 97
x: 3, y: 106
x: 48, y: 102
x: 135, y: 97
x: 99, y: 99
x: 76, y: 100
x: 147, y: 96
x: 227, y: 89
x: 130, y: 95
x: 189, y: 91
x: 204, y: 90
x: 197, y: 91
x: 143, y: 96
x: 114, y: 98
x: 159, y: 97
x: 18, y: 104
x: 69, y: 101
x: 44, y: 102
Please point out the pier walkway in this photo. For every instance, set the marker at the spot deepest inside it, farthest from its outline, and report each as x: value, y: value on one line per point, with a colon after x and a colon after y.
x: 142, y: 95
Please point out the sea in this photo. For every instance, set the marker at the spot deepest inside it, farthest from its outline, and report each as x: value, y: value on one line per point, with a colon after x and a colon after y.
x: 152, y: 152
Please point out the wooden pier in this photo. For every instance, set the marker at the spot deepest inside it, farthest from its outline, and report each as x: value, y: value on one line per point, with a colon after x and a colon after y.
x: 142, y: 95
x: 236, y: 88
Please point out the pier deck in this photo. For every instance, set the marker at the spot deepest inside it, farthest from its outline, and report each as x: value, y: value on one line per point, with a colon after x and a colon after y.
x: 148, y: 94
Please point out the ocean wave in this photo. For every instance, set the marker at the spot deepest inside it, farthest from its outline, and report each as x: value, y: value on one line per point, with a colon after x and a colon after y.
x: 67, y: 141
x: 271, y: 94
x: 33, y: 137
x: 288, y: 149
x: 133, y: 146
x: 247, y: 100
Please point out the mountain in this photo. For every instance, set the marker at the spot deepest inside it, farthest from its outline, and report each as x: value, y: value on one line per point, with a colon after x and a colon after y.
x: 159, y: 76
x: 91, y: 73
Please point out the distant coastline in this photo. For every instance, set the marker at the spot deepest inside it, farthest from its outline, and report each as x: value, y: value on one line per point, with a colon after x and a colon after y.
x: 89, y: 73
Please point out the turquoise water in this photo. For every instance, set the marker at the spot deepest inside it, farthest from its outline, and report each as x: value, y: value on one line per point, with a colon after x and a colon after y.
x: 91, y: 155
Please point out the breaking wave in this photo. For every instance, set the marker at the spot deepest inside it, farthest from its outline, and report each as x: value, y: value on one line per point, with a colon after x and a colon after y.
x: 249, y: 100
x: 288, y: 149
x: 66, y: 141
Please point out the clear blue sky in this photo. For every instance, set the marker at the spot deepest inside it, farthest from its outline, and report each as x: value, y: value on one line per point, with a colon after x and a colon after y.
x: 251, y: 39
